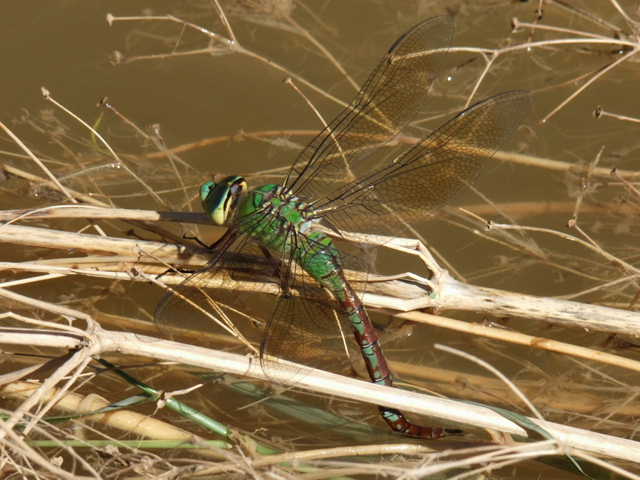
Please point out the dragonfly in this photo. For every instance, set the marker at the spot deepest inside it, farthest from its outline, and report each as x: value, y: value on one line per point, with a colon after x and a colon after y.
x: 356, y: 175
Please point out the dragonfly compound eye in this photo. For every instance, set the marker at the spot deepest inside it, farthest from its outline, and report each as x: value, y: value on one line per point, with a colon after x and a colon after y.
x: 220, y: 199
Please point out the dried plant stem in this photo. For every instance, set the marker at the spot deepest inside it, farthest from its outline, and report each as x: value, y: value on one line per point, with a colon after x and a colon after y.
x: 327, y: 383
x: 589, y: 244
x: 600, y: 113
x: 386, y: 301
x: 492, y: 459
x: 233, y: 46
x: 510, y: 157
x: 450, y: 293
x: 44, y: 237
x: 503, y: 378
x: 89, y: 211
x: 19, y: 446
x: 459, y: 296
x: 348, y: 451
x: 324, y: 51
x: 47, y: 95
x: 633, y: 23
x: 315, y: 380
x: 75, y: 364
x: 521, y: 339
x: 11, y: 170
x: 577, y: 398
x: 513, y: 209
x: 490, y: 55
x: 589, y: 82
x: 54, y: 181
x: 604, y: 464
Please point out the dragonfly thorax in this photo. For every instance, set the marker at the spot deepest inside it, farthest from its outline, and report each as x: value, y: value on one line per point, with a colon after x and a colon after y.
x: 270, y: 214
x: 275, y: 203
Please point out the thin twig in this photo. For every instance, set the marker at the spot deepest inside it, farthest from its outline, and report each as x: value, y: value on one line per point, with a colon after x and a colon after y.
x: 47, y: 96
x: 38, y: 162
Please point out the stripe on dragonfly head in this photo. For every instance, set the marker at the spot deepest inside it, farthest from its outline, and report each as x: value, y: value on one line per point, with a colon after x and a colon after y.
x: 220, y: 199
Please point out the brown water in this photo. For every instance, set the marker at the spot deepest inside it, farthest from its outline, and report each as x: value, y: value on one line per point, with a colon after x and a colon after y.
x: 67, y: 47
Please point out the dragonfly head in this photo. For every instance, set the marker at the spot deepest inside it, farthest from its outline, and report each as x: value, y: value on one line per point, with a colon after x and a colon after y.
x: 219, y: 200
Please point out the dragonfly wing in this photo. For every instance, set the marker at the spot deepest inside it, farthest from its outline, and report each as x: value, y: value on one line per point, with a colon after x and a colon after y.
x: 394, y: 93
x: 296, y: 332
x: 209, y: 302
x: 308, y: 323
x: 449, y: 159
x: 428, y: 174
x: 235, y: 295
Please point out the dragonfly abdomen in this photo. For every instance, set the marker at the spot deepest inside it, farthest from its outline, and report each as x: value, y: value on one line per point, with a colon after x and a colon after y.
x: 322, y: 261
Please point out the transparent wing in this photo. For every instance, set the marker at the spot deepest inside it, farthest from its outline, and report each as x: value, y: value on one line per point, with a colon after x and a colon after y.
x: 428, y: 174
x: 235, y: 295
x: 391, y: 97
x: 209, y: 301
x: 214, y: 299
x: 308, y: 324
x: 299, y: 330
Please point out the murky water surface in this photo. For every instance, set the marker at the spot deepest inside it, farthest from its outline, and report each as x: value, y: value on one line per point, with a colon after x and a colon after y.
x: 169, y: 85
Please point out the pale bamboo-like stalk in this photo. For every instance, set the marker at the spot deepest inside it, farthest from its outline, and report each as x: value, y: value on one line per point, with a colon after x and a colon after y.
x: 103, y: 341
x: 133, y: 260
x: 448, y: 293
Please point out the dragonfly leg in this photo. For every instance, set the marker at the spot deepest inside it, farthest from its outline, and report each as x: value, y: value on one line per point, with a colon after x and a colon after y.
x: 275, y: 262
x: 198, y: 241
x: 186, y: 271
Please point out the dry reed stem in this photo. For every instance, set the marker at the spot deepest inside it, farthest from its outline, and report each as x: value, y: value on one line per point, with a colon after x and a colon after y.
x: 103, y: 342
x: 107, y: 341
x: 20, y: 448
x: 231, y: 45
x: 47, y: 95
x: 449, y: 293
x: 518, y: 338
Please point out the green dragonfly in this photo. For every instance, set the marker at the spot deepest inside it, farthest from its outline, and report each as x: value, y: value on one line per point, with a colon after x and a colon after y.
x: 356, y: 176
